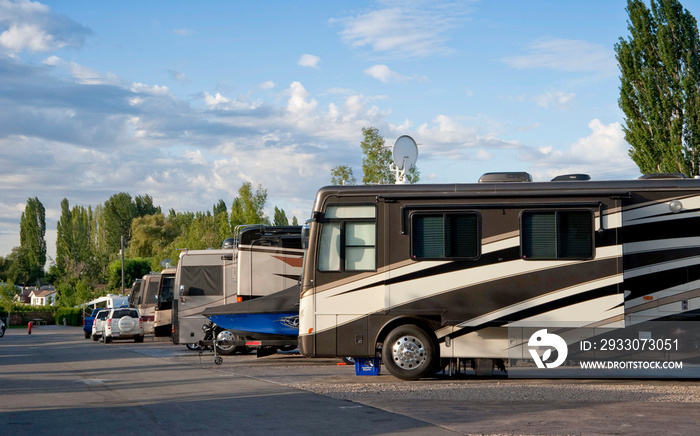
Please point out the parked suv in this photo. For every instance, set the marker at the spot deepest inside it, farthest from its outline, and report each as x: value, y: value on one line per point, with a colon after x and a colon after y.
x: 123, y: 323
x: 98, y: 324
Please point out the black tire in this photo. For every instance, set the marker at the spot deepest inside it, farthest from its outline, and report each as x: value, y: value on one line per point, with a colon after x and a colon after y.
x: 409, y: 353
x: 87, y: 335
x: 95, y: 338
x: 348, y: 360
x: 227, y: 350
x: 193, y: 347
x: 138, y: 339
x: 107, y: 339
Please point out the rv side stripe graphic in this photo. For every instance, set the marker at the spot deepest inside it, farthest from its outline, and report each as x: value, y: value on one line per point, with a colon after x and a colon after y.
x: 558, y: 310
x: 531, y: 279
x: 551, y: 301
x: 659, y: 210
x: 688, y: 227
x: 271, y: 249
x: 295, y: 262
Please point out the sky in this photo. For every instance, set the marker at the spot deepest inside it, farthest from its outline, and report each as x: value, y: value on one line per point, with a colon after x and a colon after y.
x: 186, y: 101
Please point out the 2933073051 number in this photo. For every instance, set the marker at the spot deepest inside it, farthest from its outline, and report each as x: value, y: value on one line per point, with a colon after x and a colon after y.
x: 638, y: 345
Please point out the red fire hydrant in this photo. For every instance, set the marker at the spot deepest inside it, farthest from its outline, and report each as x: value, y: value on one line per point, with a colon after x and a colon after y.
x: 29, y: 328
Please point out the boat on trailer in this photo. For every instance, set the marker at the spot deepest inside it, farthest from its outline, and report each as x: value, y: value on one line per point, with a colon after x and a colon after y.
x: 275, y: 316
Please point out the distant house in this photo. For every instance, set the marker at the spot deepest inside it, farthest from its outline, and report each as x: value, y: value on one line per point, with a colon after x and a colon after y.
x: 23, y: 296
x: 44, y: 297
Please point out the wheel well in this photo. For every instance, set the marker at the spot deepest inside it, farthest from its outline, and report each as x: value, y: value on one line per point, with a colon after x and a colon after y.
x: 396, y: 322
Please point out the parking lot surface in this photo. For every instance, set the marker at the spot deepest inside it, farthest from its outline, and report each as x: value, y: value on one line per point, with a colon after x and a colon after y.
x: 56, y: 382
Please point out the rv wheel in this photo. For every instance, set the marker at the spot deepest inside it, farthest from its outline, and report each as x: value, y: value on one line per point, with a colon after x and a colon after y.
x: 409, y: 353
x: 193, y: 346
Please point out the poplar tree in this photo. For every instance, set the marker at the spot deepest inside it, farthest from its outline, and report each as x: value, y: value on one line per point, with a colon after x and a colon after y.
x: 280, y: 217
x: 660, y: 75
x: 32, y: 232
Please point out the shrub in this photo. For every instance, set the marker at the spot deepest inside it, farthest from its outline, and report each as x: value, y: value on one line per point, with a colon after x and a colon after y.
x: 73, y: 316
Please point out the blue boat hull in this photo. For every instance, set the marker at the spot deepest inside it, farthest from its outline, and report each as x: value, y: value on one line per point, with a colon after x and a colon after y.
x: 284, y: 324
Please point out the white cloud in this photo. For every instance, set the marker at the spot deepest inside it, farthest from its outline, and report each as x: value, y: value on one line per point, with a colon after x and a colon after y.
x: 308, y: 60
x: 267, y: 85
x: 386, y: 75
x: 31, y: 26
x: 179, y: 76
x: 83, y: 74
x: 559, y: 99
x: 415, y: 29
x: 383, y: 73
x: 219, y: 102
x: 603, y: 154
x: 450, y: 137
x: 565, y: 55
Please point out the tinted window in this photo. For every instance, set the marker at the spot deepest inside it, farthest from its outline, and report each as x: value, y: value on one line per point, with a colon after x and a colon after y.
x: 119, y: 313
x: 202, y: 280
x: 445, y: 236
x: 557, y: 235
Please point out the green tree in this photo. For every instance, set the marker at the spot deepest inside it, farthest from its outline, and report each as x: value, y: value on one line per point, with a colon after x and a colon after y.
x: 280, y: 218
x: 64, y: 237
x: 133, y: 269
x: 342, y: 175
x: 32, y: 232
x: 376, y: 163
x: 118, y: 213
x: 19, y: 269
x: 659, y: 89
x: 7, y: 295
x: 151, y: 235
x: 376, y: 158
x: 219, y: 207
x: 74, y: 249
x: 98, y: 238
x: 295, y: 222
x: 143, y: 205
x: 248, y: 207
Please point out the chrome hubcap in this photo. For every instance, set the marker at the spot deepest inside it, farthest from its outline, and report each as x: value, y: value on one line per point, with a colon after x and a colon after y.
x: 408, y: 352
x: 225, y: 335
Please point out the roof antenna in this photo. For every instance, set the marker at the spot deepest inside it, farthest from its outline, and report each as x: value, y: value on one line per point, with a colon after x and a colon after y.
x: 405, y: 154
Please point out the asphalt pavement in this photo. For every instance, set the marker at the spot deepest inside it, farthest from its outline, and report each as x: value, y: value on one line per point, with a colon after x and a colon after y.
x: 55, y: 382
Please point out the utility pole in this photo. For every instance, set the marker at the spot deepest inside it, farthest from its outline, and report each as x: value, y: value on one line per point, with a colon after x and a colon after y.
x: 122, y: 254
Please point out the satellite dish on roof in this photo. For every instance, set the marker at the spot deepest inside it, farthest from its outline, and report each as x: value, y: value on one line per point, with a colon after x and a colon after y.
x: 405, y: 155
x: 165, y: 263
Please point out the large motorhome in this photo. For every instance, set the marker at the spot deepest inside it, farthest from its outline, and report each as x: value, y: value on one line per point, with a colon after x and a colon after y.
x: 143, y: 297
x: 152, y: 296
x: 422, y: 273
x: 262, y: 260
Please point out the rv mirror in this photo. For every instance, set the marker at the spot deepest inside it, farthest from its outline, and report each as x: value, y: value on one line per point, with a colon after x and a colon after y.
x: 182, y: 290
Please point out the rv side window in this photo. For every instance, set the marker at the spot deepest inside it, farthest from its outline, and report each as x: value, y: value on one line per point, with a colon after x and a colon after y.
x: 202, y: 280
x: 557, y: 235
x: 445, y: 236
x: 348, y: 239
